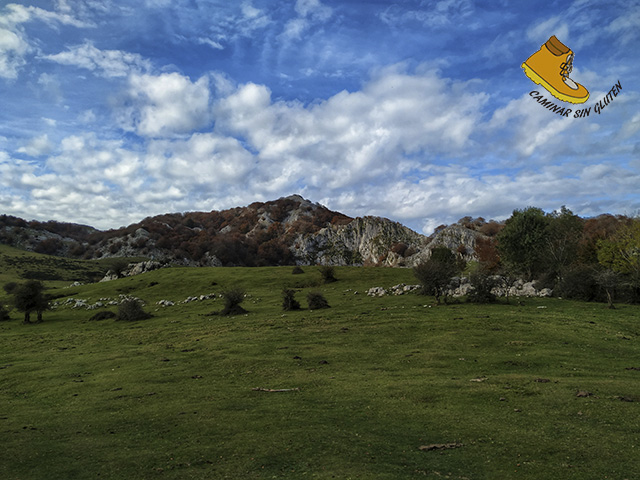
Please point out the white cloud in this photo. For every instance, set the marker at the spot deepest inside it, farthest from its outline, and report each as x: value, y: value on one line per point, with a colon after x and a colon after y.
x: 13, y: 48
x: 21, y: 14
x: 107, y: 63
x: 212, y: 43
x: 314, y: 9
x: 542, y: 31
x: 354, y: 137
x: 625, y: 27
x: 308, y: 11
x: 38, y: 146
x: 164, y: 105
x: 14, y: 45
x: 438, y: 14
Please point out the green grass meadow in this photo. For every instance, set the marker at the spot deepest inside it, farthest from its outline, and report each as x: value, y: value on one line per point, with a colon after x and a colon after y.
x: 369, y: 382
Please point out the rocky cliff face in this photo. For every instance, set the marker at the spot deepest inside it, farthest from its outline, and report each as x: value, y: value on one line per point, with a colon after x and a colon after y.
x: 363, y: 241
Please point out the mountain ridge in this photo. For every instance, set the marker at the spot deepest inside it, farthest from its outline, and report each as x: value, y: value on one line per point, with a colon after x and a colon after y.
x: 288, y: 231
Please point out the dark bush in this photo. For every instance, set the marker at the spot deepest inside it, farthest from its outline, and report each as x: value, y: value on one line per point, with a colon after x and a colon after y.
x: 316, y: 301
x: 482, y: 284
x: 297, y: 270
x: 10, y: 287
x: 4, y: 314
x: 288, y: 300
x: 232, y: 300
x: 328, y: 274
x: 104, y: 315
x: 435, y: 273
x: 577, y: 283
x: 131, y: 310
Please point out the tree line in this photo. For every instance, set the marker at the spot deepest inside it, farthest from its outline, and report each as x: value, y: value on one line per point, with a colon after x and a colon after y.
x: 585, y: 259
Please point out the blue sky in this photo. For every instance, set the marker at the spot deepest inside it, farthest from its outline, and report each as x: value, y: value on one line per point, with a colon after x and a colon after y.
x: 419, y: 111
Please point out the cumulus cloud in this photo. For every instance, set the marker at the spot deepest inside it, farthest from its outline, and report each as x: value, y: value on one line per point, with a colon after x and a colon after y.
x: 107, y: 63
x: 37, y: 146
x: 354, y: 137
x: 164, y: 105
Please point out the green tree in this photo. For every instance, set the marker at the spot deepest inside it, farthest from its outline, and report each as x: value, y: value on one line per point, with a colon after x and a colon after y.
x: 621, y: 253
x: 435, y: 273
x: 523, y: 242
x: 564, y: 234
x: 29, y: 298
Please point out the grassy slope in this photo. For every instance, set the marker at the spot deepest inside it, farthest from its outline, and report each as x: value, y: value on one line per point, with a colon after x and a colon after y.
x: 171, y: 397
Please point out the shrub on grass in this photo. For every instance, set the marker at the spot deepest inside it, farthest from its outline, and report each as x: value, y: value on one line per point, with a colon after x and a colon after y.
x: 288, y: 300
x: 328, y: 274
x: 104, y: 315
x: 131, y: 310
x: 297, y: 270
x: 316, y: 301
x: 577, y: 283
x: 4, y: 314
x: 481, y: 284
x: 232, y: 300
x: 435, y: 273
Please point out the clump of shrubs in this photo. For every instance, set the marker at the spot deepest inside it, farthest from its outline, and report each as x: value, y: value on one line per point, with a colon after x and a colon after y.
x: 316, y: 301
x: 131, y: 310
x: 297, y: 270
x: 232, y: 300
x: 328, y: 274
x: 288, y: 300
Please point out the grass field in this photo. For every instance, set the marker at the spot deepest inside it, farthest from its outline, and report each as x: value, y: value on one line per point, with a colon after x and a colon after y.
x: 369, y: 382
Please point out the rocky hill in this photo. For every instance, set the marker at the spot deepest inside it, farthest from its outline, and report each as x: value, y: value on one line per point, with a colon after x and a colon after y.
x: 287, y: 231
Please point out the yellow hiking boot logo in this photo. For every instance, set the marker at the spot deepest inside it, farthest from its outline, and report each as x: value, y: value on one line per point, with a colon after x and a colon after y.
x: 550, y: 67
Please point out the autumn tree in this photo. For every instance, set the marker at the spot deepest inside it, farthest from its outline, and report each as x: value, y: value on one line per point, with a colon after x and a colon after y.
x: 621, y: 254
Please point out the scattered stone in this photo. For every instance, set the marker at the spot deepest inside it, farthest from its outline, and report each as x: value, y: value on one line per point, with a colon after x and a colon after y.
x: 583, y: 393
x: 479, y: 379
x: 542, y: 380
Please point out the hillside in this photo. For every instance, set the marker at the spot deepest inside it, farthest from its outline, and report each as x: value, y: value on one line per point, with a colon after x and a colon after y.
x: 287, y: 231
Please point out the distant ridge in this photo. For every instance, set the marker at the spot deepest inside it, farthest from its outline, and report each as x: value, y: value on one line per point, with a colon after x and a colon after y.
x: 289, y: 231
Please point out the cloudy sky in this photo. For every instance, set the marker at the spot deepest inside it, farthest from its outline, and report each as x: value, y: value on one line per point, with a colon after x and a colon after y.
x: 416, y: 110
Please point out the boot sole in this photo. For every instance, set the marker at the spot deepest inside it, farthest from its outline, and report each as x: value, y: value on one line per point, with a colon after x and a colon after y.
x: 537, y: 79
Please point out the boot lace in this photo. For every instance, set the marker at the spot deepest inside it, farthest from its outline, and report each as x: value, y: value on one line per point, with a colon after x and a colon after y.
x: 566, y: 67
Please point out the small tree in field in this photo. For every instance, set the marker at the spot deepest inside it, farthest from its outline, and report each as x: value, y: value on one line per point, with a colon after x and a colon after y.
x: 328, y: 274
x: 288, y: 300
x: 435, y: 273
x: 29, y: 298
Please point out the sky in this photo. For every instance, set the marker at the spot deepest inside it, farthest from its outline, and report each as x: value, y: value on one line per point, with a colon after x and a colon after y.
x: 418, y: 111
